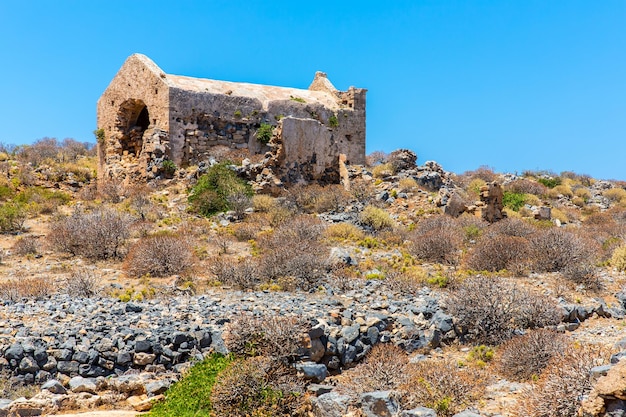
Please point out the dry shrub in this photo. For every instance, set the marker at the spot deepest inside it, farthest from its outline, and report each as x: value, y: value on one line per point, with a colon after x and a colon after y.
x: 489, y: 310
x: 345, y: 279
x: 583, y: 193
x: 159, y: 255
x: 242, y: 274
x: 375, y: 158
x: 264, y: 203
x: 407, y: 185
x: 295, y: 252
x: 34, y: 288
x: 563, y: 383
x: 26, y: 245
x: 409, y: 282
x: 384, y: 369
x: 257, y: 387
x: 483, y: 172
x: 526, y: 186
x: 615, y: 195
x: 82, y: 282
x: 495, y: 252
x: 437, y: 239
x: 618, y: 259
x: 554, y: 249
x: 523, y: 358
x: 344, y: 231
x: 362, y: 190
x: 111, y: 191
x: 317, y: 199
x: 383, y: 170
x: 376, y: 218
x: 442, y: 386
x: 277, y: 337
x: 584, y: 274
x: 99, y: 234
x: 563, y: 189
x: 246, y: 231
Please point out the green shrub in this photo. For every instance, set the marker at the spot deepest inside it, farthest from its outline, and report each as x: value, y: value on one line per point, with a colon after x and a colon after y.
x: 213, y: 190
x: 512, y: 200
x: 100, y: 136
x: 12, y: 217
x: 191, y: 396
x: 618, y: 260
x: 333, y: 121
x: 550, y: 182
x: 264, y: 133
x: 169, y: 167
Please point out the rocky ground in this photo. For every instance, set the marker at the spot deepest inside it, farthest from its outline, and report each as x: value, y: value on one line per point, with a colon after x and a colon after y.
x: 106, y: 352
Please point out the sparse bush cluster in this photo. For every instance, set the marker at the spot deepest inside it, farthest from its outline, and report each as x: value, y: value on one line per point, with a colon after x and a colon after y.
x: 98, y: 234
x: 159, y: 255
x: 437, y: 239
x: 489, y: 310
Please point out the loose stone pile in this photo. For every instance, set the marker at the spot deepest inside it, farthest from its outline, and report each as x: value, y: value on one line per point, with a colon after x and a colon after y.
x: 90, y: 345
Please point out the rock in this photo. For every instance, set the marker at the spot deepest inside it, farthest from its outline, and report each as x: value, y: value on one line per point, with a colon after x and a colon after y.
x: 350, y: 333
x: 133, y: 308
x: 312, y: 370
x: 341, y: 256
x: 157, y: 387
x: 28, y: 365
x: 607, y: 392
x: 419, y: 412
x: 598, y: 371
x: 402, y: 159
x: 54, y: 387
x: 467, y: 413
x: 15, y: 351
x: 330, y: 405
x: 68, y: 367
x: 128, y: 384
x: 318, y: 389
x: 141, y: 403
x: 143, y: 359
x: 79, y: 384
x: 379, y: 404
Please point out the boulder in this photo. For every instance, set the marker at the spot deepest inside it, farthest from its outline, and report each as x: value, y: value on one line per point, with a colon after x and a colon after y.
x: 379, y: 404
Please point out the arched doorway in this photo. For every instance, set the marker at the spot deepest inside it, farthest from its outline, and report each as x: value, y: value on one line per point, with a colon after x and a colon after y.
x: 133, y: 120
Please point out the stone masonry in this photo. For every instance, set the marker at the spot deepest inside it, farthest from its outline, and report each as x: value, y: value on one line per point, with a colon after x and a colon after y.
x: 149, y: 117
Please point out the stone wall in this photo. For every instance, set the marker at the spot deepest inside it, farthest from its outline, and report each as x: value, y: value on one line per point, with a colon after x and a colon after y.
x: 127, y: 147
x: 149, y: 117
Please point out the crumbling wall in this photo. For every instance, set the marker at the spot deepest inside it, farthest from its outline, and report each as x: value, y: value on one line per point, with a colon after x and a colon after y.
x: 132, y: 112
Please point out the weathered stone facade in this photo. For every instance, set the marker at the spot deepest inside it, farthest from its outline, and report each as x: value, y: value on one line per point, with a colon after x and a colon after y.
x: 149, y: 117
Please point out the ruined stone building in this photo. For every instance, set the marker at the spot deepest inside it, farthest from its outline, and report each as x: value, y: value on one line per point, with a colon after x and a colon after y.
x: 149, y: 117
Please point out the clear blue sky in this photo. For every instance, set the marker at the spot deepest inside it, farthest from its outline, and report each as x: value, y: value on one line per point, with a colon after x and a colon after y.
x: 515, y: 85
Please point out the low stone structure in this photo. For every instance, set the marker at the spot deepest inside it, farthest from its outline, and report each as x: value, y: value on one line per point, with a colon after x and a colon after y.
x: 149, y: 121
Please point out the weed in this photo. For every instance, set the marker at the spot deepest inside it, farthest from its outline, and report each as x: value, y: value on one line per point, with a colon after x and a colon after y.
x: 264, y: 133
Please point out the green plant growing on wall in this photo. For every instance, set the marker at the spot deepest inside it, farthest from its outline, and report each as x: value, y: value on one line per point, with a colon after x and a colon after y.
x: 100, y: 136
x: 333, y: 121
x: 264, y: 134
x: 238, y: 114
x: 297, y: 99
x: 169, y: 167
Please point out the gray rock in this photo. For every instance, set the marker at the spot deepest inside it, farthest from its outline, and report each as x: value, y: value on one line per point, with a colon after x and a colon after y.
x: 419, y: 412
x: 467, y: 413
x: 341, y: 256
x: 133, y: 308
x: 15, y: 351
x: 318, y: 389
x: 379, y: 404
x: 350, y: 333
x: 157, y: 387
x: 312, y: 370
x: 54, y: 387
x: 143, y: 359
x: 79, y: 384
x: 330, y: 405
x: 598, y: 371
x: 68, y: 367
